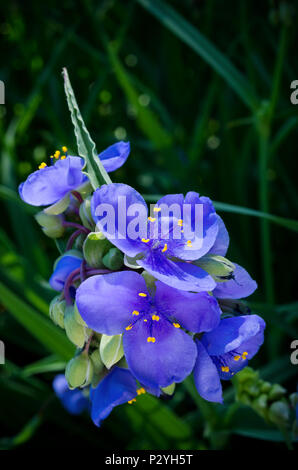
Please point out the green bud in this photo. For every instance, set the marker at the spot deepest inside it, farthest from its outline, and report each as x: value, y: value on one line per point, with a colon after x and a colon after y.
x: 57, y: 310
x: 85, y: 214
x: 113, y: 259
x: 79, y: 371
x: 276, y: 392
x: 77, y: 333
x: 95, y: 247
x: 58, y: 207
x: 170, y: 389
x: 111, y: 349
x: 51, y: 224
x: 260, y: 403
x: 220, y: 268
x: 96, y: 359
x: 266, y: 387
x: 279, y: 413
x: 77, y: 316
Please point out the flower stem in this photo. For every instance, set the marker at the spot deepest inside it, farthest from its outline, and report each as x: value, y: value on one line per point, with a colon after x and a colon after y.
x: 77, y: 226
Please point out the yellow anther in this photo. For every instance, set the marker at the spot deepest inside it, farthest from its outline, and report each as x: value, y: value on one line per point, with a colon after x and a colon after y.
x: 151, y: 339
x: 165, y: 248
x: 142, y: 294
x: 244, y: 354
x: 236, y: 358
x: 135, y: 312
x: 155, y: 317
x: 63, y: 157
x: 130, y: 402
x: 42, y: 165
x: 152, y: 219
x: 145, y: 319
x: 180, y: 222
x: 225, y: 369
x: 52, y: 156
x: 156, y: 209
x: 64, y: 149
x: 176, y: 325
x: 140, y: 391
x: 145, y: 240
x: 189, y: 243
x: 129, y: 327
x: 57, y: 154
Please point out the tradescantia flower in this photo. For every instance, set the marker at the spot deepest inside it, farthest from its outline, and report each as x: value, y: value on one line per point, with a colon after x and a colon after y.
x: 165, y: 256
x: 74, y: 401
x: 225, y: 351
x: 51, y: 184
x: 63, y: 267
x: 157, y: 350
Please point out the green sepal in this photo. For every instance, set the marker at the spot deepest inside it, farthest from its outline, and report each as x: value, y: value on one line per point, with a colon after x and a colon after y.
x: 79, y: 371
x: 111, y: 349
x: 220, y: 268
x: 113, y: 259
x: 95, y: 248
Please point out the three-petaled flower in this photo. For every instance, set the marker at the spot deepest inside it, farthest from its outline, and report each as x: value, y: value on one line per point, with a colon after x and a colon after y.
x: 157, y: 350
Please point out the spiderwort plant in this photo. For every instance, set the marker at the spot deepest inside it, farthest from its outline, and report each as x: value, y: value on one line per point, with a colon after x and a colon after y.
x: 143, y: 294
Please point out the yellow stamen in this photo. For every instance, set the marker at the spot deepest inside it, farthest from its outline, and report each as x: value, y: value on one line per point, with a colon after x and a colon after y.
x: 145, y: 319
x: 129, y: 327
x: 156, y: 209
x: 151, y: 339
x: 63, y: 157
x: 130, y: 402
x: 180, y: 222
x: 140, y: 391
x: 165, y: 248
x: 152, y: 219
x: 176, y: 325
x: 189, y: 243
x: 42, y: 165
x: 142, y: 294
x: 145, y: 240
x: 225, y: 369
x: 64, y: 149
x: 244, y: 354
x: 52, y: 156
x: 236, y: 358
x: 135, y: 312
x: 57, y: 154
x: 155, y: 317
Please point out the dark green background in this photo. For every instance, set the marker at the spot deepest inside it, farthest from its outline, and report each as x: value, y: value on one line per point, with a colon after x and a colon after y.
x: 137, y: 78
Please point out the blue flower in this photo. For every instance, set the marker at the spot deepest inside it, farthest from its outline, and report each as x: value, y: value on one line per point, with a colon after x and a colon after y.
x: 50, y: 184
x: 74, y: 401
x: 63, y: 267
x: 157, y: 350
x: 225, y: 351
x: 117, y: 388
x: 166, y: 256
x: 241, y: 285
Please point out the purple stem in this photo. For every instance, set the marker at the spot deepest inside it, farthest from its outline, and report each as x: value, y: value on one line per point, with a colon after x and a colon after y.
x: 72, y: 238
x: 68, y: 283
x: 78, y: 196
x: 77, y: 226
x: 83, y: 270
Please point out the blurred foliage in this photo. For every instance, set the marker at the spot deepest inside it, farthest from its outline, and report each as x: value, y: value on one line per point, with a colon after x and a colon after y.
x: 201, y: 89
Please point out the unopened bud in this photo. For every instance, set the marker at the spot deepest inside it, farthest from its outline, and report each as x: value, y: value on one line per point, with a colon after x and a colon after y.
x: 276, y: 392
x: 170, y: 389
x: 52, y: 225
x: 95, y: 247
x: 57, y: 310
x: 111, y: 349
x: 220, y: 268
x: 113, y: 259
x: 85, y: 214
x: 78, y: 334
x: 77, y: 316
x: 279, y: 413
x: 79, y: 371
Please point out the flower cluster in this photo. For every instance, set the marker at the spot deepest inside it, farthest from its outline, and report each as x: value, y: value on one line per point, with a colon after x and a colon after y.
x: 144, y: 311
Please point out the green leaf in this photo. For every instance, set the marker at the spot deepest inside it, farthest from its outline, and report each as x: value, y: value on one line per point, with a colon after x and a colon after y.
x: 47, y: 364
x: 86, y: 147
x: 37, y: 324
x: 204, y: 48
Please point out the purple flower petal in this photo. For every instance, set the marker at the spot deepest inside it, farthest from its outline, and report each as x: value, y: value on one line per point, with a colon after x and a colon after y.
x: 222, y: 240
x: 50, y: 184
x: 233, y: 333
x: 206, y: 376
x: 74, y: 401
x: 115, y: 156
x: 241, y: 286
x: 118, y: 197
x: 170, y: 358
x: 118, y: 387
x: 106, y: 302
x: 65, y: 265
x: 197, y: 313
x: 184, y: 276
